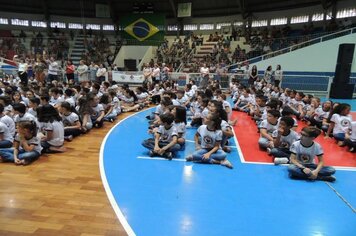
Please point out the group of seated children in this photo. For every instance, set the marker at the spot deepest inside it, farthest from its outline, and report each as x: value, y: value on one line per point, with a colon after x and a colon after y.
x: 207, y: 112
x: 276, y: 112
x: 36, y: 120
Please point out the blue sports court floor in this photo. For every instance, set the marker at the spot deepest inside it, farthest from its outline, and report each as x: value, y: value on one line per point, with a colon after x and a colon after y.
x: 153, y: 196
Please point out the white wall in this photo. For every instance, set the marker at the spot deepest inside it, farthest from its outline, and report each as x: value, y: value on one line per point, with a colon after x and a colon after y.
x: 320, y: 57
x: 130, y: 52
x: 150, y: 53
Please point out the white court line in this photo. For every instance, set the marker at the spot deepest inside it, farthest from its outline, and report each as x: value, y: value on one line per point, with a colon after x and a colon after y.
x: 111, y: 198
x: 160, y: 158
x: 341, y: 197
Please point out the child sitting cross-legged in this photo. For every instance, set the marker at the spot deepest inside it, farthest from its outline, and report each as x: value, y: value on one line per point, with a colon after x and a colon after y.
x: 302, y: 158
x: 165, y: 141
x: 210, y: 137
x: 283, y: 138
x: 27, y: 146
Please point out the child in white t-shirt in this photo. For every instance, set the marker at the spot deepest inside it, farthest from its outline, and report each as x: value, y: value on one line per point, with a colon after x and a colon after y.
x: 350, y: 137
x: 303, y: 155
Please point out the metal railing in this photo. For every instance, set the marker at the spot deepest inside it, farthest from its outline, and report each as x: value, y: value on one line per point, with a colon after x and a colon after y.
x: 311, y: 84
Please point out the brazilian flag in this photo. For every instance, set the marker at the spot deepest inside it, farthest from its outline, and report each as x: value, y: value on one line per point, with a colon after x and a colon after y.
x: 143, y: 29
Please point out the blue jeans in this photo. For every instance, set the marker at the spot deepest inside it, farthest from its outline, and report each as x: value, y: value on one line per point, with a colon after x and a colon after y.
x: 150, y: 145
x: 295, y: 171
x: 219, y: 155
x: 5, y: 144
x: 280, y: 152
x: 8, y: 155
x: 339, y: 136
x: 263, y: 142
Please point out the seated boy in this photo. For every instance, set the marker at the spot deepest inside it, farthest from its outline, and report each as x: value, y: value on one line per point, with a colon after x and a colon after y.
x: 282, y: 140
x: 302, y: 158
x: 165, y: 141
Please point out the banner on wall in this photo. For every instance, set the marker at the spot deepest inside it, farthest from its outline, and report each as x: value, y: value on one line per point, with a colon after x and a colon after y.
x: 127, y: 77
x: 143, y: 28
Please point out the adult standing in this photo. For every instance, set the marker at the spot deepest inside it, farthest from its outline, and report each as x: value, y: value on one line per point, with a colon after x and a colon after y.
x: 40, y: 66
x: 22, y: 72
x: 278, y: 76
x: 93, y: 68
x: 52, y: 69
x: 268, y: 75
x: 204, y: 75
x: 253, y: 75
x: 82, y: 72
x: 156, y: 74
x: 147, y: 79
x: 70, y: 68
x: 100, y: 73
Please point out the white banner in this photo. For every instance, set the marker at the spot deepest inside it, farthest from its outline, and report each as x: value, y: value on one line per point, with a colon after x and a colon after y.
x: 127, y: 77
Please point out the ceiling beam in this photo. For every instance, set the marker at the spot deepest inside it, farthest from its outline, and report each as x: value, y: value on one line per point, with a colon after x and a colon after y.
x: 45, y: 10
x: 173, y: 6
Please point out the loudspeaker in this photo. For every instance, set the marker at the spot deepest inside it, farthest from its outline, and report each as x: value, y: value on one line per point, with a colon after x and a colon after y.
x: 343, y: 91
x: 346, y: 53
x: 342, y: 73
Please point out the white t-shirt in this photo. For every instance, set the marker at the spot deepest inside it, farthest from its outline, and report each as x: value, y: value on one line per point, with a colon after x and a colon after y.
x: 342, y: 123
x: 209, y: 137
x: 268, y: 126
x: 4, y: 130
x: 286, y: 141
x: 33, y: 141
x: 180, y: 128
x: 9, y: 122
x: 70, y: 119
x: 353, y: 131
x: 53, y: 68
x: 57, y: 132
x: 167, y: 134
x: 306, y: 155
x: 22, y: 67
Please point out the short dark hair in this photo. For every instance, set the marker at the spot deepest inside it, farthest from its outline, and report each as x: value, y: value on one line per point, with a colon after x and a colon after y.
x: 288, y: 120
x: 167, y: 118
x: 19, y: 107
x: 274, y: 113
x: 312, y: 131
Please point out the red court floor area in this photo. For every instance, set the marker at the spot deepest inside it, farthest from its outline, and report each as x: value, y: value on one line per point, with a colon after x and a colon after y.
x: 247, y: 136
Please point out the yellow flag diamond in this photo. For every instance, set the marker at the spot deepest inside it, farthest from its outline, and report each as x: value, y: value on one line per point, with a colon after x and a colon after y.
x: 141, y: 29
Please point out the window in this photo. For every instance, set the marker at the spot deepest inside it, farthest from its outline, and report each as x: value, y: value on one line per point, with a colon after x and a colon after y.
x: 19, y: 22
x: 279, y: 21
x: 259, y: 23
x: 219, y: 25
x: 328, y: 15
x: 172, y: 28
x: 299, y: 19
x: 190, y: 27
x: 318, y: 17
x: 39, y: 24
x: 109, y: 27
x: 93, y: 26
x: 238, y: 23
x: 344, y: 13
x: 59, y: 25
x: 4, y: 21
x: 206, y: 26
x: 75, y: 26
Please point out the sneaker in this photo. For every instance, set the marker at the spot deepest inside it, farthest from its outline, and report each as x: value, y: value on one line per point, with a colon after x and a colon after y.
x: 168, y: 155
x: 327, y: 178
x: 269, y: 151
x: 189, y: 158
x: 226, y: 163
x: 69, y: 138
x: 352, y: 149
x: 151, y: 153
x: 281, y: 160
